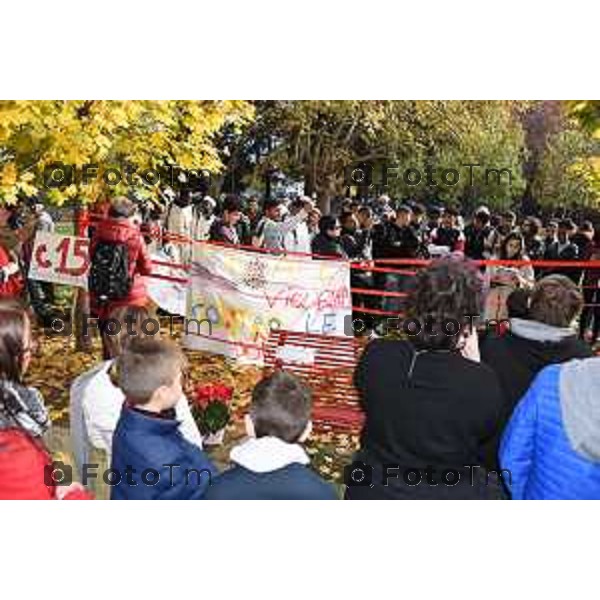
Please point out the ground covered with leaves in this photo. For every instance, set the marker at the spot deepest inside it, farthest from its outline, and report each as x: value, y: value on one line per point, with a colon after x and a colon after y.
x: 57, y: 363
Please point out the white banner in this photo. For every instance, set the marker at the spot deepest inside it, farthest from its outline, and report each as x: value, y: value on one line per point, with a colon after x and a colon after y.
x: 60, y: 259
x: 65, y: 259
x: 237, y: 296
x: 169, y: 295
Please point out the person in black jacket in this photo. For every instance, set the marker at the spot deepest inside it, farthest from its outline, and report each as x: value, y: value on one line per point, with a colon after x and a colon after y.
x: 534, y: 245
x: 584, y: 240
x: 327, y: 241
x: 477, y: 236
x: 590, y: 316
x: 430, y: 405
x: 551, y: 233
x: 545, y: 337
x: 448, y: 234
x: 354, y: 241
x: 401, y: 241
x: 271, y: 464
x: 356, y: 244
x: 564, y: 249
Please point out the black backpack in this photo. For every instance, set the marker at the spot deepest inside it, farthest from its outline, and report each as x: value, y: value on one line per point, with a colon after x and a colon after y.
x: 109, y: 277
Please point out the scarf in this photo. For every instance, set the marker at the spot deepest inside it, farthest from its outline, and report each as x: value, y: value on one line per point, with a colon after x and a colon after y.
x: 23, y: 407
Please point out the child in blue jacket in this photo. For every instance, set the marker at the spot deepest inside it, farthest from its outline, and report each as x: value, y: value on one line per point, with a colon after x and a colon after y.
x: 151, y: 459
x: 271, y: 464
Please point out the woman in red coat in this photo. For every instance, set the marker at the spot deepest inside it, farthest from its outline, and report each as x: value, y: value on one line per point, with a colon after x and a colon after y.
x: 120, y: 228
x: 26, y: 471
x: 11, y: 281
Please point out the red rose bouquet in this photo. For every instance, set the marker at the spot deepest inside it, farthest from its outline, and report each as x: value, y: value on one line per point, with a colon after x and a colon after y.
x: 211, y: 410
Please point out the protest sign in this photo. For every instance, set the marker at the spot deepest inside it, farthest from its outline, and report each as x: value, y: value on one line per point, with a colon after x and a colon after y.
x: 64, y: 259
x: 169, y: 295
x: 60, y: 259
x: 236, y: 297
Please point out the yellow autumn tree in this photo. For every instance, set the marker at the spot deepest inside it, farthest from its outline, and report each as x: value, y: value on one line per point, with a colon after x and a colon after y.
x: 133, y: 136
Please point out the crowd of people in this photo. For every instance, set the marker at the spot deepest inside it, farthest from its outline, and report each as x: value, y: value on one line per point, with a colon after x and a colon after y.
x: 494, y: 413
x: 132, y: 407
x: 502, y: 413
x: 380, y: 230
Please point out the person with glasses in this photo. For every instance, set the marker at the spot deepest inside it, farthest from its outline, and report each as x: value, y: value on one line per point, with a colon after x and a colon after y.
x: 327, y: 241
x: 27, y: 471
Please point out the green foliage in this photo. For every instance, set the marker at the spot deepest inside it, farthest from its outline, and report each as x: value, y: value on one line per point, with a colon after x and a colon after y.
x: 316, y: 141
x: 481, y: 141
x: 569, y: 173
x: 258, y: 143
x: 587, y: 112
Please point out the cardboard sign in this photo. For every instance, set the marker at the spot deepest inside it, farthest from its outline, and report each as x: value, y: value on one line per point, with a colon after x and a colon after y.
x: 65, y: 259
x: 60, y: 259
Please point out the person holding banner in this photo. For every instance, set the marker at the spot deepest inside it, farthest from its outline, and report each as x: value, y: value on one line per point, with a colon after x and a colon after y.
x: 25, y: 231
x: 271, y: 230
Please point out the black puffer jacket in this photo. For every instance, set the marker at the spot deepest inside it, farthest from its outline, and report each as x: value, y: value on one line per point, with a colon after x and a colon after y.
x: 519, y: 355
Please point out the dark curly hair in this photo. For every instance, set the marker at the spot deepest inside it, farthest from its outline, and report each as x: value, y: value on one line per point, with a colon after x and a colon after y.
x: 449, y: 289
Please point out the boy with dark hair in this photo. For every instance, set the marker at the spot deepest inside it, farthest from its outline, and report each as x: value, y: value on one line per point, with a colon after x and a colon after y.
x: 227, y: 229
x: 508, y: 222
x: 478, y: 236
x: 95, y: 400
x: 272, y: 465
x: 448, y: 234
x: 534, y: 245
x: 271, y: 231
x: 327, y: 241
x: 151, y: 459
x: 563, y: 249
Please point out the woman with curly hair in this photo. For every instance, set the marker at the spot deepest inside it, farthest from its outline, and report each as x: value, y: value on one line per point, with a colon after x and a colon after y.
x: 431, y: 406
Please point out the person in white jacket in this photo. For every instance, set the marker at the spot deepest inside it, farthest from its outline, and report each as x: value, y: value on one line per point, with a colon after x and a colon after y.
x: 298, y: 239
x: 203, y: 218
x: 179, y: 222
x: 96, y: 402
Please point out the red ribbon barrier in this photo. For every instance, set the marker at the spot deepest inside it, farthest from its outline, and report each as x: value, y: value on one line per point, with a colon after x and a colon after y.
x: 371, y: 266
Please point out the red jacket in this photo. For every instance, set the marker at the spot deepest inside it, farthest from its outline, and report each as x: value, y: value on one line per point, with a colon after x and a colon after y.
x: 13, y: 286
x: 140, y: 264
x: 22, y: 468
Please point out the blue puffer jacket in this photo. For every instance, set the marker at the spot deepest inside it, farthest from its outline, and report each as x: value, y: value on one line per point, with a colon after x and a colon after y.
x: 551, y: 445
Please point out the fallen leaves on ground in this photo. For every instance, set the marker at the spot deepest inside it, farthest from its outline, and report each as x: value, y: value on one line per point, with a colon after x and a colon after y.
x: 57, y: 364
